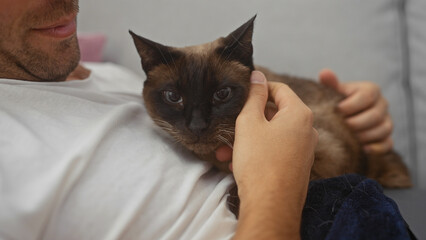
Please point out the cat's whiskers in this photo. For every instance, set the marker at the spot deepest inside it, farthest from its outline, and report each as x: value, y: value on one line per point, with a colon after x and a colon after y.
x: 177, y: 140
x: 225, y: 133
x: 224, y: 140
x: 162, y: 123
x: 226, y: 127
x: 231, y: 130
x: 168, y: 128
x: 230, y: 136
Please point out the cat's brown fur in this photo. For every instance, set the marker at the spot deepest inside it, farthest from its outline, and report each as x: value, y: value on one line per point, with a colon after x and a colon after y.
x: 194, y: 77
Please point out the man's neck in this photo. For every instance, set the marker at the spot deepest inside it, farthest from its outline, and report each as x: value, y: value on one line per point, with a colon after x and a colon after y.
x: 11, y: 72
x: 79, y: 73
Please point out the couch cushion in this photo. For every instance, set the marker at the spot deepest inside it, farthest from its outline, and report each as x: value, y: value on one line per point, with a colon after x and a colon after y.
x: 416, y: 19
x: 360, y: 40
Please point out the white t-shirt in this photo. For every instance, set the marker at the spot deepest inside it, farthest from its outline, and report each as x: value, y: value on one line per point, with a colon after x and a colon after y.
x: 83, y: 160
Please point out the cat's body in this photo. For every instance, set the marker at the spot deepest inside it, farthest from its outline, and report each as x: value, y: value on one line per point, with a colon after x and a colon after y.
x: 337, y: 151
x: 196, y: 93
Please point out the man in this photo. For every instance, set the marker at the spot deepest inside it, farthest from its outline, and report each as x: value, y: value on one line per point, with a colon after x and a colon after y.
x: 79, y: 158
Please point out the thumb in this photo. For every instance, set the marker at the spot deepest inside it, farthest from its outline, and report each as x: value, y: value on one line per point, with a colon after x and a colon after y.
x: 329, y: 78
x: 258, y: 95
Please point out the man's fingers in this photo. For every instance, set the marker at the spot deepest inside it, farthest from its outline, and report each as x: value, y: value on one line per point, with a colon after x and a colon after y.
x: 369, y: 118
x: 366, y: 111
x: 378, y: 133
x: 282, y: 95
x: 270, y: 110
x: 379, y: 148
x: 258, y: 95
x: 358, y: 99
x: 328, y: 78
x: 288, y: 102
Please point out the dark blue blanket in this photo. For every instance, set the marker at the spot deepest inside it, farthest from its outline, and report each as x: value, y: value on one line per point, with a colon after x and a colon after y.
x: 351, y: 207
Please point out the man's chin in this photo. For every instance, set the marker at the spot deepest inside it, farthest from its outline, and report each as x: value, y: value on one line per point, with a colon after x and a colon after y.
x: 62, y: 61
x: 202, y: 148
x: 60, y: 76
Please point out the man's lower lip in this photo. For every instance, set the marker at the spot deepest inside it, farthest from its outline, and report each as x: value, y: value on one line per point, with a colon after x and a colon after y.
x: 62, y: 31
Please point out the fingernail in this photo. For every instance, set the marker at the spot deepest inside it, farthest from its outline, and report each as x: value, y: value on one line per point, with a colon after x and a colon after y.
x: 257, y: 77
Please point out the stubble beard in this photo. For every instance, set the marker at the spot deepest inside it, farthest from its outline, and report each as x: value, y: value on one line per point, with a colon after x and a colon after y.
x: 50, y: 67
x: 22, y: 56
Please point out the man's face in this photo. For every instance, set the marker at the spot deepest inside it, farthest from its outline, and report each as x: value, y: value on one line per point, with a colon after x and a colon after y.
x: 38, y: 39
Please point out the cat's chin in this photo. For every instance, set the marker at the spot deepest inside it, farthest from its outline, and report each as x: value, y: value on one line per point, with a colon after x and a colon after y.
x: 202, y: 148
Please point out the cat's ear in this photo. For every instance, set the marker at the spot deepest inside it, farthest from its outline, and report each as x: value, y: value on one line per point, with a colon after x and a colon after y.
x: 238, y: 44
x: 153, y: 54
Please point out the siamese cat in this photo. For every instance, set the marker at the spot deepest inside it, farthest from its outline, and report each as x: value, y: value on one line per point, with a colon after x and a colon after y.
x: 195, y: 94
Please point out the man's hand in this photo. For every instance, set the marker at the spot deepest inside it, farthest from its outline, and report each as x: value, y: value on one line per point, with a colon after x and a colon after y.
x: 366, y: 112
x: 272, y: 160
x: 286, y: 141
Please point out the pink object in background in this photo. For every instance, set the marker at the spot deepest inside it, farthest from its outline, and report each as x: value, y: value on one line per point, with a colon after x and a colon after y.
x: 91, y: 46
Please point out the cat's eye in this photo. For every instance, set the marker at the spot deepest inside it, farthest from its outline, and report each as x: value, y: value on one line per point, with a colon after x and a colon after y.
x: 172, y: 97
x: 222, y: 95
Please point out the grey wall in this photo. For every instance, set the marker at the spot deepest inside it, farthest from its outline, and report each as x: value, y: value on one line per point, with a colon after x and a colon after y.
x: 292, y: 35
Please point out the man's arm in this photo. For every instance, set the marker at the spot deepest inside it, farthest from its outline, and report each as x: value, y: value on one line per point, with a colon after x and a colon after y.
x: 366, y: 112
x: 272, y: 161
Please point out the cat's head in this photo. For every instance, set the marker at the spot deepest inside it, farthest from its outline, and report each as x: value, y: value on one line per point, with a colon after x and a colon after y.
x: 196, y: 93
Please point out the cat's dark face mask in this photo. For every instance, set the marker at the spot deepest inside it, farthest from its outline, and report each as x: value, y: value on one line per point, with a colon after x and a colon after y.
x: 196, y: 93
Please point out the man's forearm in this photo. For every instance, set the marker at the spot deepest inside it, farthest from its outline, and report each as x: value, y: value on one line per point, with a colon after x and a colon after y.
x: 271, y: 214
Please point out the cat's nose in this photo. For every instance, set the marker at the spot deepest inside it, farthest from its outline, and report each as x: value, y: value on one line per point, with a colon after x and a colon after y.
x: 197, y: 123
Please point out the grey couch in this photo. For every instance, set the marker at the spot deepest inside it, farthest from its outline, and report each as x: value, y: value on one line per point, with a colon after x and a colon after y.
x: 382, y: 41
